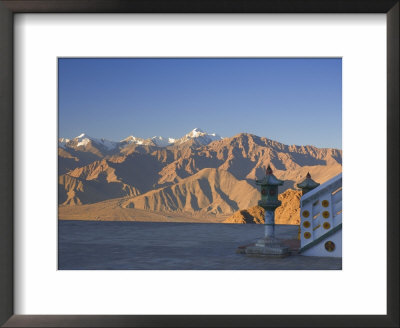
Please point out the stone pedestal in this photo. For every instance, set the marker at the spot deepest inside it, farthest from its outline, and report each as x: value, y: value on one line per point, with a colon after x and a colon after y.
x: 269, y: 245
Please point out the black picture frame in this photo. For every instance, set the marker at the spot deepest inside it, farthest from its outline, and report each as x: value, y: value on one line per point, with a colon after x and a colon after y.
x: 10, y: 7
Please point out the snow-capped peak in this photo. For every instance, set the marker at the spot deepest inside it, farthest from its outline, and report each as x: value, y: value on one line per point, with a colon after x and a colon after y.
x: 133, y: 139
x: 127, y: 139
x: 83, y: 140
x: 62, y: 142
x: 161, y: 141
x: 196, y: 132
x: 199, y: 136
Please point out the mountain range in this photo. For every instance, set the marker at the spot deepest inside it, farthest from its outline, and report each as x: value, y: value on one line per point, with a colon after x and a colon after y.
x: 199, y: 174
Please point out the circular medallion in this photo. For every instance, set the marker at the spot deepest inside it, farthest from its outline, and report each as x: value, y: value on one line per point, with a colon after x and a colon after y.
x: 272, y: 192
x: 306, y: 214
x: 263, y: 192
x: 326, y: 225
x: 325, y: 214
x: 306, y: 224
x: 307, y: 235
x: 325, y: 203
x: 330, y: 246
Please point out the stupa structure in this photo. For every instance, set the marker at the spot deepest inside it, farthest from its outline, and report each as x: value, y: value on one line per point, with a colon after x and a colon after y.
x: 307, y: 184
x: 269, y: 245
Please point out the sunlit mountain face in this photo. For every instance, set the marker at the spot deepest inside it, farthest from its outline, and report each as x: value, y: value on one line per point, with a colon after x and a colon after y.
x: 198, y: 174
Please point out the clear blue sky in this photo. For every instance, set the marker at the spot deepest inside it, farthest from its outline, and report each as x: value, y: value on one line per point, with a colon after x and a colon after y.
x: 293, y: 101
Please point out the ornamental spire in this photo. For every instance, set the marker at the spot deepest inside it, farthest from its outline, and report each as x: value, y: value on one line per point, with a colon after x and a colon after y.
x: 269, y: 170
x: 269, y: 179
x: 307, y: 184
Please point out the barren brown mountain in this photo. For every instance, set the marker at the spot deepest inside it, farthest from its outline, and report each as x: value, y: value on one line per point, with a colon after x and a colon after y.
x: 246, y: 156
x: 76, y: 191
x: 211, y: 191
x: 190, y: 177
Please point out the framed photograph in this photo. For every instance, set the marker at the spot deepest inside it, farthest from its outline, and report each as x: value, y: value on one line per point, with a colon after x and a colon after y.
x: 171, y: 191
x: 181, y: 163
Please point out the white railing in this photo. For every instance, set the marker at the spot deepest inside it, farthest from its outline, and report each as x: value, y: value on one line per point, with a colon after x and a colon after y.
x: 321, y: 210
